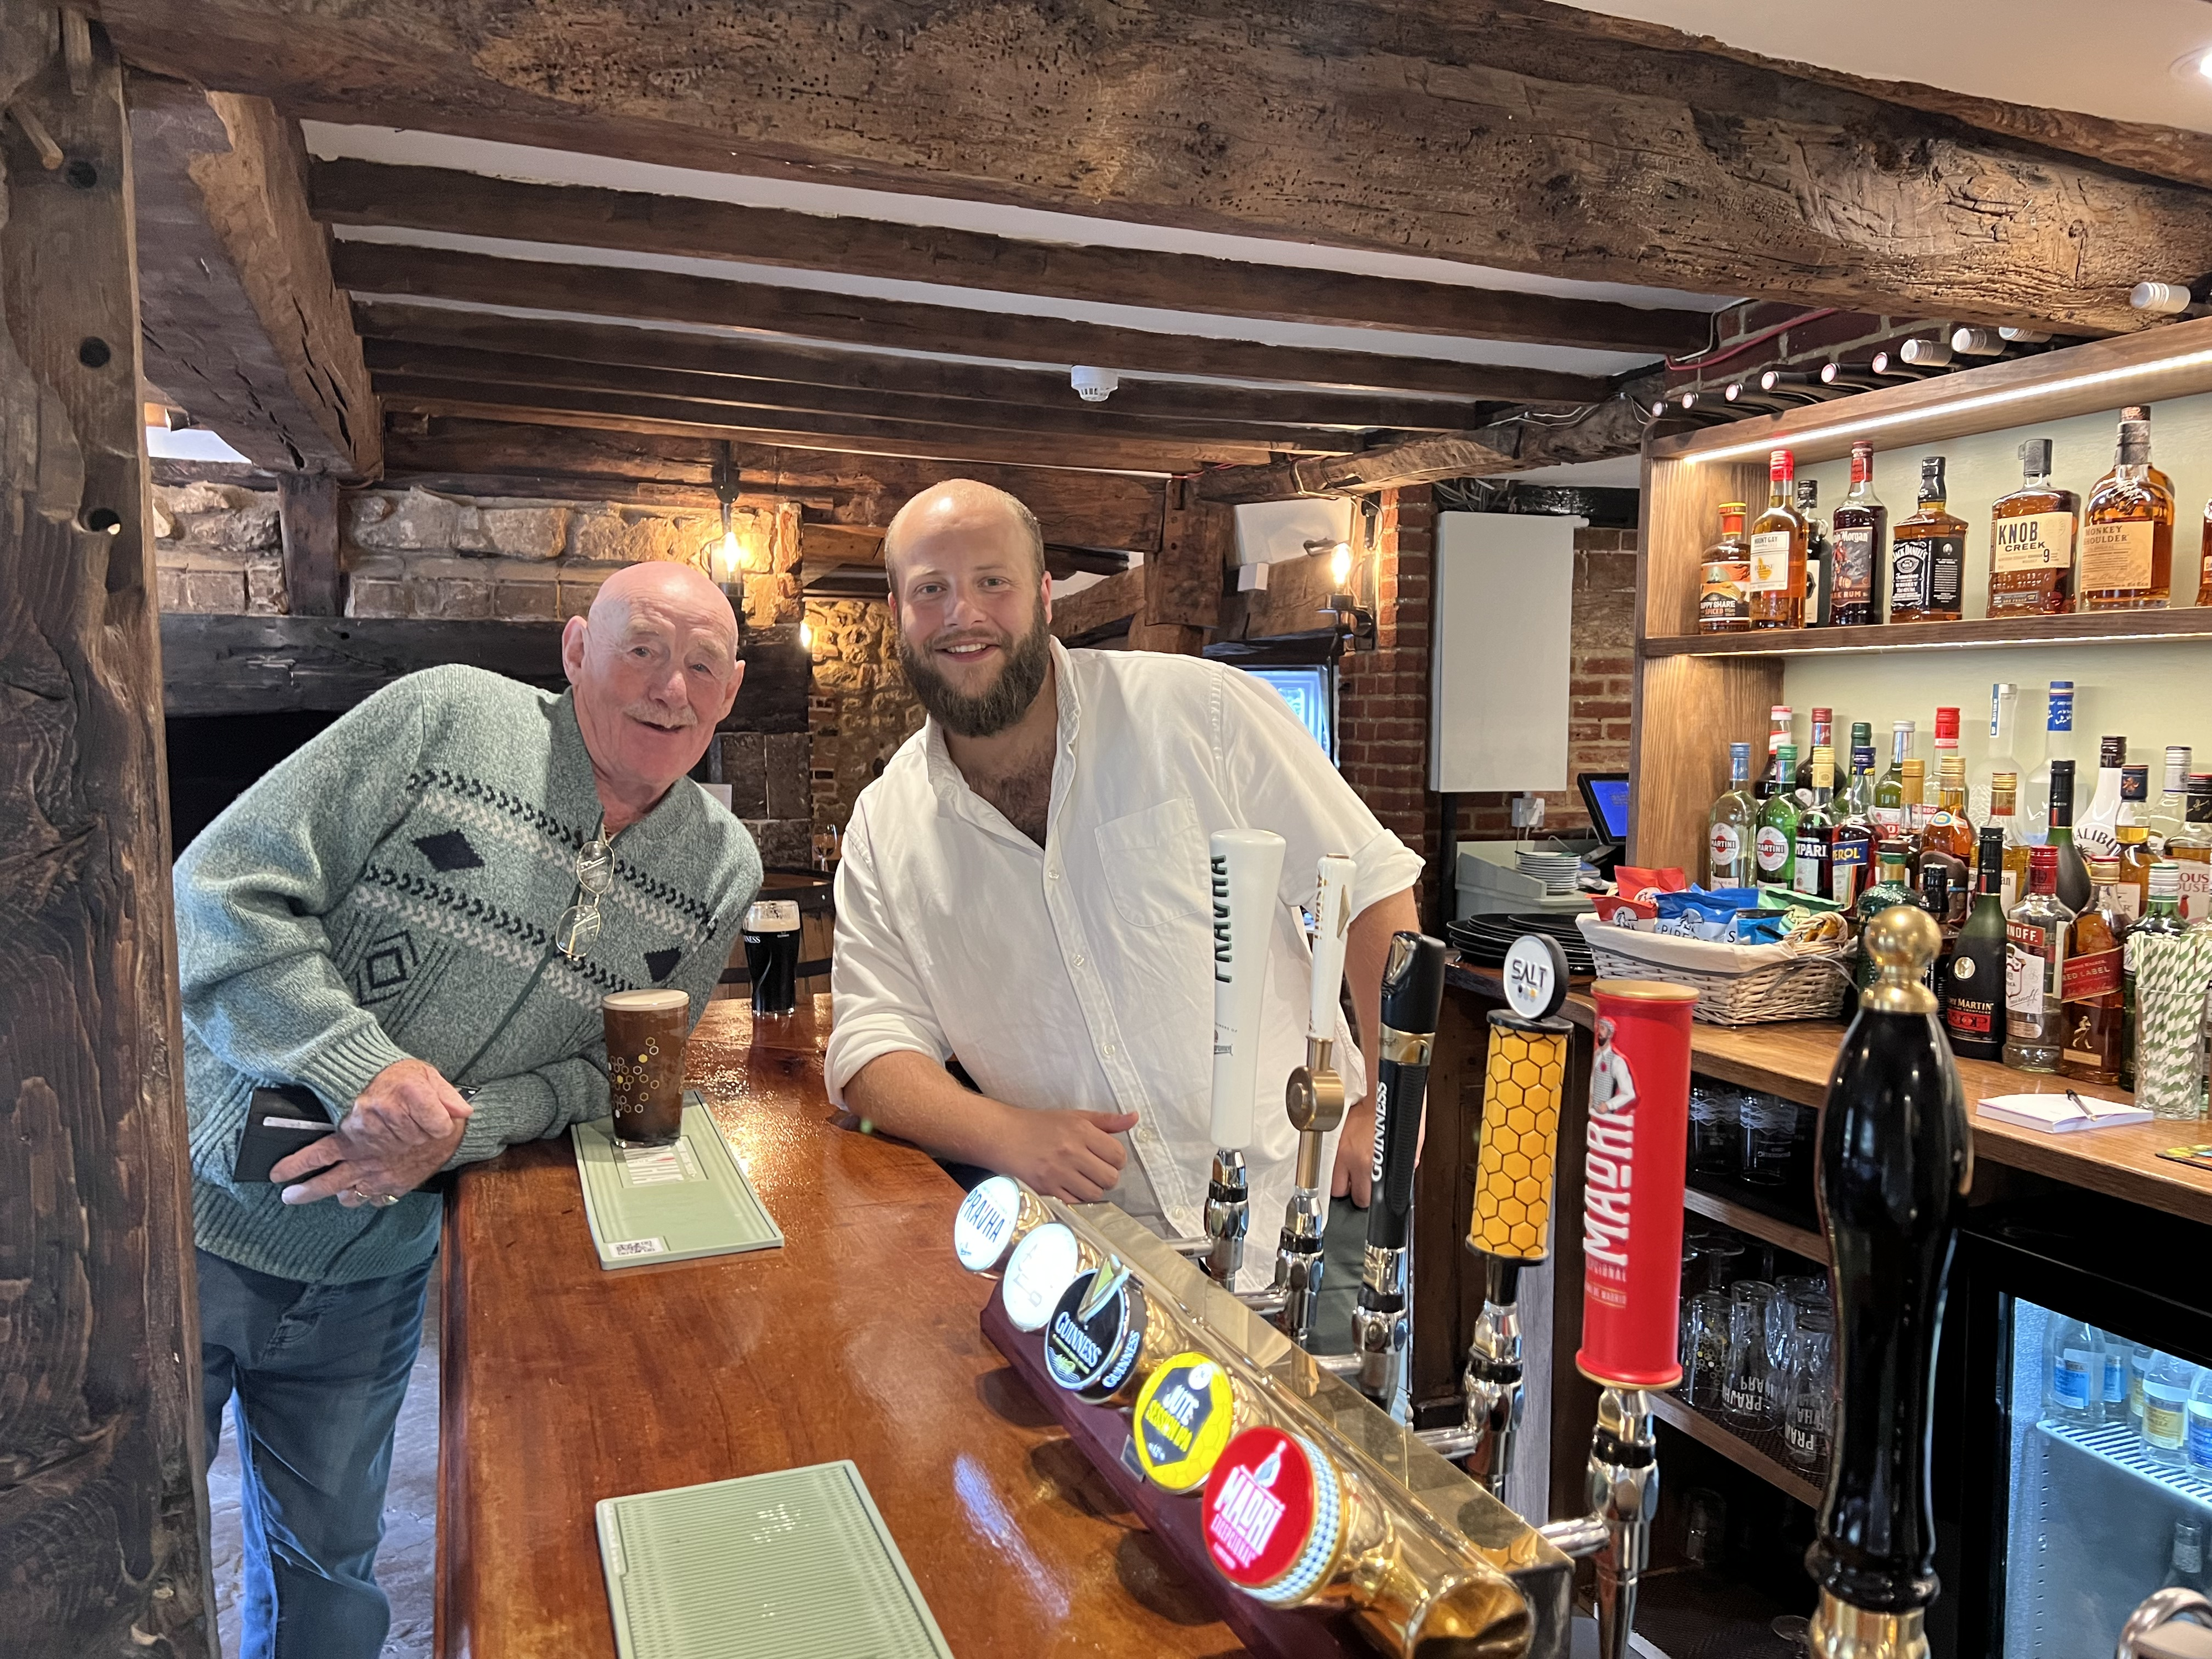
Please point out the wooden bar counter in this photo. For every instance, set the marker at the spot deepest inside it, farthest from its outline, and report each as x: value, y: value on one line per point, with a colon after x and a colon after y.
x: 564, y: 1383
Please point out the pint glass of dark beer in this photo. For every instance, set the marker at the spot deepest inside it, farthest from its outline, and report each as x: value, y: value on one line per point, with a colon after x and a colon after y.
x: 646, y: 1034
x: 771, y: 933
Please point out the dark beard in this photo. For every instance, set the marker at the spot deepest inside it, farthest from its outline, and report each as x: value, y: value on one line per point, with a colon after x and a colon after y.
x: 988, y: 713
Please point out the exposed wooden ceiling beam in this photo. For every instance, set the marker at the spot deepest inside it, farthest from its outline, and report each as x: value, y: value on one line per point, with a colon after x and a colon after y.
x: 1100, y: 605
x: 797, y: 428
x: 791, y: 361
x: 730, y: 400
x: 674, y: 297
x: 1505, y: 132
x: 355, y: 193
x: 470, y: 455
x: 242, y: 324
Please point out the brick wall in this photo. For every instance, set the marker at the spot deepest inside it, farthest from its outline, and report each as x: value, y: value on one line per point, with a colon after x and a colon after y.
x: 1383, y: 694
x: 1602, y: 661
x: 860, y: 709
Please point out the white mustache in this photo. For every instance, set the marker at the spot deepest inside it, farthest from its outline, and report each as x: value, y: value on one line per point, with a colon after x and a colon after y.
x: 654, y: 715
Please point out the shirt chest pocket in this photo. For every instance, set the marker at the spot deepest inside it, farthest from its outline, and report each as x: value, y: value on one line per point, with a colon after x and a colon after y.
x: 1155, y: 864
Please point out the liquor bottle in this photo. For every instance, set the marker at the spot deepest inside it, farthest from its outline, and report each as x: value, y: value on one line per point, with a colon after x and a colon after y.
x: 2073, y: 1369
x: 1973, y: 991
x: 2089, y: 983
x: 1819, y: 557
x: 1927, y: 555
x: 1723, y: 606
x: 2132, y: 896
x: 2073, y: 874
x: 1950, y: 833
x: 2171, y: 812
x: 1889, y: 814
x: 1815, y: 827
x: 2204, y: 560
x: 2192, y: 850
x: 2058, y: 745
x: 1824, y: 727
x: 2113, y: 1401
x: 1778, y: 551
x: 2004, y: 818
x: 1778, y: 827
x: 1731, y: 826
x: 1858, y: 537
x: 1914, y: 787
x: 1947, y: 738
x: 2004, y: 717
x: 2127, y: 531
x: 1780, y: 722
x: 2035, y: 949
x: 2096, y: 826
x: 1936, y: 891
x: 1858, y: 798
x: 2162, y: 919
x: 2032, y: 534
x: 1893, y: 884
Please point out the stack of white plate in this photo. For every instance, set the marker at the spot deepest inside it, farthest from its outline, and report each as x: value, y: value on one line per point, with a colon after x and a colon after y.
x: 1555, y: 870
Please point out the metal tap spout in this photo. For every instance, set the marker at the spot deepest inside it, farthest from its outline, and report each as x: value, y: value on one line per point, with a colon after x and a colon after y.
x: 1624, y: 1490
x: 1228, y: 1216
x: 1380, y: 1327
x: 1493, y: 1379
x: 1314, y: 1101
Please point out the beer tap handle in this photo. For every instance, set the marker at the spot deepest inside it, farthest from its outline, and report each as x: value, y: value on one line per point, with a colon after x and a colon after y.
x: 1246, y: 868
x: 1894, y: 1163
x: 1412, y: 996
x: 1332, y: 924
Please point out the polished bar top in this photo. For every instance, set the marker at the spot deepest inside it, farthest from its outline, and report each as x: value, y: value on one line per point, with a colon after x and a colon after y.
x: 1794, y: 1057
x: 564, y: 1383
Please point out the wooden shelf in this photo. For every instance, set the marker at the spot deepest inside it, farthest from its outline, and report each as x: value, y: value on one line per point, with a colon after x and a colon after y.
x: 2089, y: 628
x: 1744, y: 1219
x: 1761, y: 1454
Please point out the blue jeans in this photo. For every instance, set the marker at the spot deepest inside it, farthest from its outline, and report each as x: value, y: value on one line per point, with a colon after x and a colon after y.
x: 320, y: 1371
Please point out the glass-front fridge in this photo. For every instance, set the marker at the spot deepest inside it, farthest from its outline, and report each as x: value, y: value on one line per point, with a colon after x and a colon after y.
x: 2086, y: 1463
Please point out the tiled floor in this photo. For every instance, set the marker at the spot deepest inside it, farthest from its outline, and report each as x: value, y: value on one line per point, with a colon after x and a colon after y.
x: 407, y: 1564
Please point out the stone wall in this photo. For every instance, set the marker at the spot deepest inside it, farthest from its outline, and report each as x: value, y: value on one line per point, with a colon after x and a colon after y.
x: 860, y: 709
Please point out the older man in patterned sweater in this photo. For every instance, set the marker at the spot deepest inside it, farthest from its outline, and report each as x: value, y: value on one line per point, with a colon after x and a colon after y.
x: 402, y: 911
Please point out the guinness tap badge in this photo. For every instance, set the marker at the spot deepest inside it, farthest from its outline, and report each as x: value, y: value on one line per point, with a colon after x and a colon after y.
x: 1096, y: 1333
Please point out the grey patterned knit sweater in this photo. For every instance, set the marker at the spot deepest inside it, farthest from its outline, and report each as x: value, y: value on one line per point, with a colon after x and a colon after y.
x: 390, y: 889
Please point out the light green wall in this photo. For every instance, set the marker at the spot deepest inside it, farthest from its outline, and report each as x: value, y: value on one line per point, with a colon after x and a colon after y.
x: 2152, y: 692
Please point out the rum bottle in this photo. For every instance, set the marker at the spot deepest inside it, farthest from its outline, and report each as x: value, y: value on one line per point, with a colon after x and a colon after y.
x: 2127, y: 531
x: 2032, y: 534
x: 1820, y: 559
x: 1857, y: 537
x: 2092, y: 1008
x: 1927, y: 555
x: 1731, y: 826
x: 1778, y: 551
x: 1974, y: 990
x: 1723, y: 606
x: 2035, y: 949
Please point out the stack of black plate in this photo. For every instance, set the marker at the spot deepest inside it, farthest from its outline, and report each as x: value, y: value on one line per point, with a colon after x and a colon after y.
x: 1483, y: 939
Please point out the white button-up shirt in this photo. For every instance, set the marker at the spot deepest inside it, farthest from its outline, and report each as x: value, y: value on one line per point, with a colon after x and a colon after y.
x: 1080, y: 974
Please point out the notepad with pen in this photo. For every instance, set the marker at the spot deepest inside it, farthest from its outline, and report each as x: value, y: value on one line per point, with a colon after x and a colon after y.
x: 2060, y: 1114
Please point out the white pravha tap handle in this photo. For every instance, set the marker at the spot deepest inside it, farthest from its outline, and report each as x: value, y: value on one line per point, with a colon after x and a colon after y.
x: 1332, y: 923
x: 1247, y: 867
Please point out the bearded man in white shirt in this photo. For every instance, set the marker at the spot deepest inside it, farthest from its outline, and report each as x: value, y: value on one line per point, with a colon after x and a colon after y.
x: 1025, y: 889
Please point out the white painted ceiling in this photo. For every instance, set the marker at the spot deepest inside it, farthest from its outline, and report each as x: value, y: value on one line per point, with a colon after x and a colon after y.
x: 2113, y: 59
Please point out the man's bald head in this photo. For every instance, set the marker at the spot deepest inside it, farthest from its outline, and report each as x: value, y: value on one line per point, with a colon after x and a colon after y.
x: 681, y: 590
x: 962, y: 509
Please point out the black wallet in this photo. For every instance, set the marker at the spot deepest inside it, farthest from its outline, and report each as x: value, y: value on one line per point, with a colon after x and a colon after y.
x: 279, y: 1121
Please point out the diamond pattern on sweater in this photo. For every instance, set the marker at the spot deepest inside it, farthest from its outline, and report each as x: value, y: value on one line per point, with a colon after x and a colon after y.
x: 448, y: 852
x: 385, y: 967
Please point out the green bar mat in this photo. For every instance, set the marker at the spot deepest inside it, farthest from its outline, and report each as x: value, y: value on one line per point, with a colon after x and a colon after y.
x: 793, y: 1565
x: 668, y: 1203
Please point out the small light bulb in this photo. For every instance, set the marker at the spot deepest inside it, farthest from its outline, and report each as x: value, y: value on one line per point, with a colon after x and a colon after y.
x: 1339, y: 565
x: 2204, y: 65
x: 806, y: 637
x: 733, y: 555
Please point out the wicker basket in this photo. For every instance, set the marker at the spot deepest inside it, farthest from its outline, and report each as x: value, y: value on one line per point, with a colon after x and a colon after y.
x: 1736, y: 984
